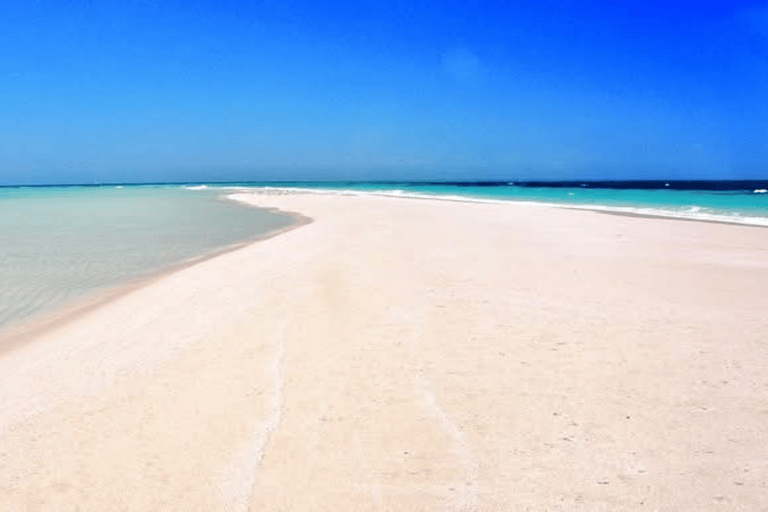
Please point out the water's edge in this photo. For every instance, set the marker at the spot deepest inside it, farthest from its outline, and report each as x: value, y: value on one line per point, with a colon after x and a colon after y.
x: 646, y: 212
x: 17, y: 335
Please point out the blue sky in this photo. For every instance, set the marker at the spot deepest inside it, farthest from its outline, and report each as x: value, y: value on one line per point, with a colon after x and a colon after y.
x: 291, y: 89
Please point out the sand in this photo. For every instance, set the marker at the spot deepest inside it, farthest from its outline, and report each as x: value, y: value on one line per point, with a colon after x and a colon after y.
x: 404, y: 355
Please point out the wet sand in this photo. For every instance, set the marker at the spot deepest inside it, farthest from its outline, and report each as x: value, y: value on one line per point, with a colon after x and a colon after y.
x: 400, y: 354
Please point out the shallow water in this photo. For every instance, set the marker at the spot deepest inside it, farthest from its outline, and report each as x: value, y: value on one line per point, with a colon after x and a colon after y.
x: 62, y: 244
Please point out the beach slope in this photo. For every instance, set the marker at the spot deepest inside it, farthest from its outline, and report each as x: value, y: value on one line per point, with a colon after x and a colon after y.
x: 402, y: 354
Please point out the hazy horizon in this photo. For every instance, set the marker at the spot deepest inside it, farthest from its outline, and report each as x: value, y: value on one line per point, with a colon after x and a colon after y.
x: 131, y: 91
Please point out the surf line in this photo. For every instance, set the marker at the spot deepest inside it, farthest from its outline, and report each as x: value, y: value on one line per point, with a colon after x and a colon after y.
x: 245, y: 468
x: 467, y: 495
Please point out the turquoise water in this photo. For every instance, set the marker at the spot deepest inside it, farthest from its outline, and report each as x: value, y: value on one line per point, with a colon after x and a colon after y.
x: 59, y: 245
x: 748, y: 206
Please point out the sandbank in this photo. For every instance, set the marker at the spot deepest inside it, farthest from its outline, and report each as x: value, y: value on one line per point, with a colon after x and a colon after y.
x: 404, y: 354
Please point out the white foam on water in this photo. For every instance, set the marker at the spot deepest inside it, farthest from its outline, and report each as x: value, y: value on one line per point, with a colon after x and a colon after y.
x: 195, y: 187
x: 760, y: 191
x: 692, y: 213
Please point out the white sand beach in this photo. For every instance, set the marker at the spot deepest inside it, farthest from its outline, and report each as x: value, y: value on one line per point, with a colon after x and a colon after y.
x: 410, y: 355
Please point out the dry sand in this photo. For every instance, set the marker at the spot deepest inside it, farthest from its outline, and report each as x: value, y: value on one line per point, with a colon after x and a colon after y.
x: 401, y: 355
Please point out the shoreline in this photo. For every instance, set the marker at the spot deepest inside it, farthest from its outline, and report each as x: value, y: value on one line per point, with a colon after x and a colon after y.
x: 15, y: 336
x: 660, y: 217
x: 607, y: 210
x: 411, y: 355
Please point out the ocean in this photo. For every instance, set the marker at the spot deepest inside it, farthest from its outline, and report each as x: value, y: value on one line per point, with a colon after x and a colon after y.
x: 62, y: 245
x: 737, y: 202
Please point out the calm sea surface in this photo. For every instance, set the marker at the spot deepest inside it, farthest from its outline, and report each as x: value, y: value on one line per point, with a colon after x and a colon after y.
x: 61, y: 244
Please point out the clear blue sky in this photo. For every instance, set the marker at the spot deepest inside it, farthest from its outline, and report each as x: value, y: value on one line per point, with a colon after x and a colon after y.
x: 146, y: 90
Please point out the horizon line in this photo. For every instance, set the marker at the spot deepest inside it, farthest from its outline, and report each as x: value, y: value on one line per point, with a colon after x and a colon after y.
x: 569, y: 183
